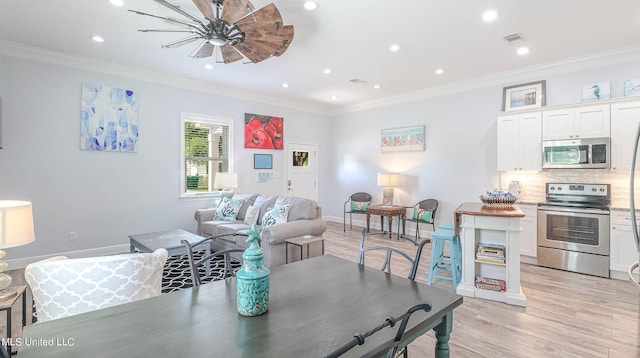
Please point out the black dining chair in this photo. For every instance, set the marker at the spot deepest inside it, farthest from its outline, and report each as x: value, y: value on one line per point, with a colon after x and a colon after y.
x: 200, y: 265
x: 356, y: 204
x: 424, y: 212
x: 360, y: 338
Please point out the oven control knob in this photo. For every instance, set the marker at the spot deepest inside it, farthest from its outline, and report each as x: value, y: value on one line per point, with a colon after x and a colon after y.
x: 602, y: 190
x: 553, y: 188
x: 559, y: 188
x: 594, y: 189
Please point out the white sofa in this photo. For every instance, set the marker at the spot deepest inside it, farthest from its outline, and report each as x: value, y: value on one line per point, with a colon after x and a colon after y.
x: 304, y: 218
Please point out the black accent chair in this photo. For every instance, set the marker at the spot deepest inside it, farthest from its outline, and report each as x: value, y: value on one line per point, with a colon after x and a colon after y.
x: 357, y: 197
x: 422, y: 207
x: 199, y: 267
x: 360, y: 338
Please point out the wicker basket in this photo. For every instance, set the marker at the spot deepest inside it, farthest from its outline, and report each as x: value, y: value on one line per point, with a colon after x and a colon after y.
x: 498, y: 201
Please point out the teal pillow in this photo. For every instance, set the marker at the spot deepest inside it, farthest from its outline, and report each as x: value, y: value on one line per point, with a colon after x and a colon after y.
x: 422, y: 215
x: 228, y: 209
x: 277, y: 215
x: 359, y: 205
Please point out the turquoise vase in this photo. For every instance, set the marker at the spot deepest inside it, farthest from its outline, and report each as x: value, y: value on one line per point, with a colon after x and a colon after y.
x: 253, y: 279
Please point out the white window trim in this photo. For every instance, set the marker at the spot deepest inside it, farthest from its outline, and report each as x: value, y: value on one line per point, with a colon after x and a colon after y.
x: 194, y: 117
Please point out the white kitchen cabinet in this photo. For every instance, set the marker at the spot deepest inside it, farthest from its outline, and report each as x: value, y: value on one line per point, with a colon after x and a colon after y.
x: 529, y: 234
x: 622, y: 244
x: 519, y: 142
x: 625, y: 118
x: 591, y: 121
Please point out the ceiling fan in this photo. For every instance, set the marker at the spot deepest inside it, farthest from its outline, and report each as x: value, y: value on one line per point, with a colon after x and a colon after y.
x: 231, y: 25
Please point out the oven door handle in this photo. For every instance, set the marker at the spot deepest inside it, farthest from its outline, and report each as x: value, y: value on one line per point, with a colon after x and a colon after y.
x: 573, y: 210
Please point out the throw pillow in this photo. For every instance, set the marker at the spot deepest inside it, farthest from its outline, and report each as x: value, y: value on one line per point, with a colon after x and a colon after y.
x: 277, y: 215
x: 228, y: 209
x: 251, y: 217
x: 422, y: 215
x: 359, y: 205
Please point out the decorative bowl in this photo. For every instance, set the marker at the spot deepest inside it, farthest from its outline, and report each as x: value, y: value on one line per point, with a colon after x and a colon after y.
x: 498, y: 201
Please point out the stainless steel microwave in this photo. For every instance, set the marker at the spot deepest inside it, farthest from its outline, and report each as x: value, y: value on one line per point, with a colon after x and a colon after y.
x: 590, y: 153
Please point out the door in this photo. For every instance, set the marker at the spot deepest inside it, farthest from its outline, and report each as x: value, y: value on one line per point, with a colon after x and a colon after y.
x: 302, y: 167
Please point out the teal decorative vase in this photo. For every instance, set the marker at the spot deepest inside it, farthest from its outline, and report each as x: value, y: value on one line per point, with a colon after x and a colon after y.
x: 253, y: 279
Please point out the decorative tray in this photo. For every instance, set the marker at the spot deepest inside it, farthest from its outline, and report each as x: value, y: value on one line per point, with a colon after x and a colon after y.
x: 498, y: 201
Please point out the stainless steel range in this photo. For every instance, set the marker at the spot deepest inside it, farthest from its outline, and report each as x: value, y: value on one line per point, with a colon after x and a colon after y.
x: 573, y: 228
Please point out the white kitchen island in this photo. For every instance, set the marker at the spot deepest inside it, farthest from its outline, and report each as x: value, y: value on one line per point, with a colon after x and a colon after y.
x: 477, y: 223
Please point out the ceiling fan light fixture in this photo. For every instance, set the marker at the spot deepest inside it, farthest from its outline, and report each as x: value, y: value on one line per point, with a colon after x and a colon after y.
x: 218, y: 40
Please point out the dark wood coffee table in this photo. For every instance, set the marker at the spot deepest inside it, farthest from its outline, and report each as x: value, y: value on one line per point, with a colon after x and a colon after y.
x: 389, y: 211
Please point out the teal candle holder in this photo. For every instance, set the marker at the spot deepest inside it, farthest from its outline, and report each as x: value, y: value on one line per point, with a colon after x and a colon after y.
x: 253, y: 279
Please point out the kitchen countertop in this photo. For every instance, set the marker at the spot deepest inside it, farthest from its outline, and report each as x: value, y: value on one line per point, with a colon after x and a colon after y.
x: 484, y: 210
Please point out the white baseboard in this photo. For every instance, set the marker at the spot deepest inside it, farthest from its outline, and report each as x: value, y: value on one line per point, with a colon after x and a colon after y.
x: 100, y: 251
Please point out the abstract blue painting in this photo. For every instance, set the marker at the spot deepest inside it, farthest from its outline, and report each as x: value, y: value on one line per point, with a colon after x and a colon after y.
x: 109, y: 119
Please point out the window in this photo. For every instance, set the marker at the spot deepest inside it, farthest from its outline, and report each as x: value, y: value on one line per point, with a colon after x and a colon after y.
x: 206, y: 149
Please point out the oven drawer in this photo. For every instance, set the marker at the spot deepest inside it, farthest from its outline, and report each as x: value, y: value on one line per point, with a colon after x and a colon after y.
x: 589, y: 264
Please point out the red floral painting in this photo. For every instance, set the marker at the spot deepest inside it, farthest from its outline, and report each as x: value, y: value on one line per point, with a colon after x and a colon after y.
x: 263, y: 132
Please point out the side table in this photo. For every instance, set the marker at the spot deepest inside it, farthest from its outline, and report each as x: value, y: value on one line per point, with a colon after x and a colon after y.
x: 301, y: 241
x: 7, y: 305
x: 389, y: 211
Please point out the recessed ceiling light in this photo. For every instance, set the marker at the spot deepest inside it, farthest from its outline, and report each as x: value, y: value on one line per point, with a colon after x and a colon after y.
x: 310, y: 5
x: 489, y: 16
x: 208, y: 66
x: 97, y: 38
x: 117, y: 2
x: 327, y: 71
x: 285, y: 85
x: 523, y: 51
x: 334, y: 97
x: 394, y: 48
x: 376, y: 86
x: 439, y: 71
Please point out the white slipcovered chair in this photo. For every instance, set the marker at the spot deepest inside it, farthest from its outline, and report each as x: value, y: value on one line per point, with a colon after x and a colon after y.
x: 64, y: 287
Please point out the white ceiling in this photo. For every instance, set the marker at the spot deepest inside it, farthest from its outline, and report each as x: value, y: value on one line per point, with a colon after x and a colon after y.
x: 352, y: 37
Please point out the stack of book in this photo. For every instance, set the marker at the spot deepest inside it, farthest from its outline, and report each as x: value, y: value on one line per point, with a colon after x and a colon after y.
x: 490, y: 253
x: 491, y: 284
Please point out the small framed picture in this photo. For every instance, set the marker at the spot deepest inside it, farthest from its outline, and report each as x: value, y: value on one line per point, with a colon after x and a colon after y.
x: 262, y: 161
x: 632, y: 87
x: 525, y: 96
x: 596, y: 91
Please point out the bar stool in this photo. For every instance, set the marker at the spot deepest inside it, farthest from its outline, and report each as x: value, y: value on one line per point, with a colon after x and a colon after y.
x: 441, y: 262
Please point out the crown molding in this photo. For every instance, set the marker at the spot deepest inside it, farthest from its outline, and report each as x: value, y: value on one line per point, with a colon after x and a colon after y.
x: 32, y: 53
x: 602, y: 59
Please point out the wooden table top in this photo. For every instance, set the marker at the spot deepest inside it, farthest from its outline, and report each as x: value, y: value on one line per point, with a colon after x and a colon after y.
x: 315, y: 306
x: 484, y: 210
x: 385, y: 209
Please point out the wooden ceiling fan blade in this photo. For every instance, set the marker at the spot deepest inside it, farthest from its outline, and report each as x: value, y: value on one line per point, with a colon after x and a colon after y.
x: 206, y: 50
x: 205, y: 8
x: 179, y: 43
x: 252, y: 54
x: 230, y: 54
x: 284, y: 34
x: 234, y: 10
x: 266, y: 19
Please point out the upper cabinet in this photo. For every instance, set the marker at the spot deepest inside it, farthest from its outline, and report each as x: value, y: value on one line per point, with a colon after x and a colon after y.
x: 625, y: 118
x: 519, y: 144
x: 591, y: 121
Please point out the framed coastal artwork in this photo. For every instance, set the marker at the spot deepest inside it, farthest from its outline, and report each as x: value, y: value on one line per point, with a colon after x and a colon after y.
x: 632, y: 87
x: 524, y: 96
x: 403, y: 139
x: 596, y: 91
x: 109, y: 119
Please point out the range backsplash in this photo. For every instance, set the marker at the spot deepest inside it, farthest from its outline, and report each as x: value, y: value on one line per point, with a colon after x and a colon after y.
x: 532, y: 184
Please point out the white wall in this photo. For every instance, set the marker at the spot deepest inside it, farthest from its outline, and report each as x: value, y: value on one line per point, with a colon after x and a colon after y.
x: 104, y: 197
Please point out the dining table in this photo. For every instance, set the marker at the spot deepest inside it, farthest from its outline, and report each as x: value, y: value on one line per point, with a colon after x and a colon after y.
x: 315, y: 307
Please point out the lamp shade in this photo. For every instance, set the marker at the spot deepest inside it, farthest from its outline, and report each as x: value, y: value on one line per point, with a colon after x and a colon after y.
x: 16, y: 223
x: 388, y: 179
x: 225, y: 180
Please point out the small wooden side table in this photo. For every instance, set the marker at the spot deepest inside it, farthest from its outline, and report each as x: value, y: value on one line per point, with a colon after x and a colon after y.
x: 301, y: 241
x: 7, y: 305
x: 389, y: 211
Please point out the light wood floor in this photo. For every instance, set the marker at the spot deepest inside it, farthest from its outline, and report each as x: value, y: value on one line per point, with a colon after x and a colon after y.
x: 567, y: 314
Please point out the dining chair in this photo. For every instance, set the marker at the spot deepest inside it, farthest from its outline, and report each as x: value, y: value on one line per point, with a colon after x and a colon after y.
x: 360, y: 338
x: 356, y: 204
x: 413, y: 262
x: 201, y: 267
x: 4, y: 353
x: 64, y: 287
x: 424, y: 212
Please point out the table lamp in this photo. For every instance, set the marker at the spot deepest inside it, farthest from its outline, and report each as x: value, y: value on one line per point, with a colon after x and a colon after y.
x: 388, y: 181
x: 16, y: 229
x: 226, y: 182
